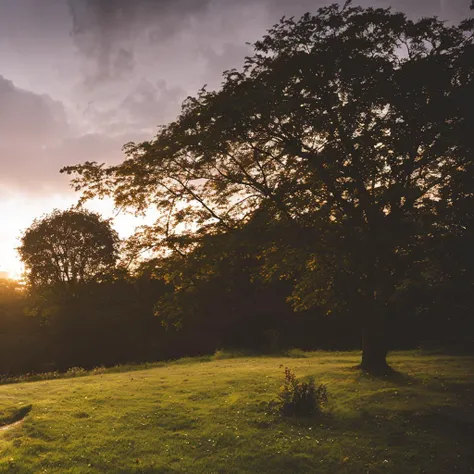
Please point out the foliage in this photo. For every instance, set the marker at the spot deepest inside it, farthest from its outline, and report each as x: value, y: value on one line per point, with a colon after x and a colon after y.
x: 104, y: 323
x: 222, y: 354
x: 296, y: 353
x: 300, y: 398
x: 217, y: 299
x: 343, y: 131
x: 100, y: 370
x: 76, y: 372
x: 68, y: 248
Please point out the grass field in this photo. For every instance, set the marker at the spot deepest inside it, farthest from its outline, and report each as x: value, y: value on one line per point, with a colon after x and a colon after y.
x: 209, y: 416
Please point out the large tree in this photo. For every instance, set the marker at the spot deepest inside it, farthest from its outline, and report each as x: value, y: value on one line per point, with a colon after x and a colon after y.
x: 67, y: 248
x: 343, y: 129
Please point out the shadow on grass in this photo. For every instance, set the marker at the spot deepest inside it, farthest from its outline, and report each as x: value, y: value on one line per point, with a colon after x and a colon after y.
x: 393, y: 376
x: 398, y: 378
x: 451, y: 422
x: 15, y: 416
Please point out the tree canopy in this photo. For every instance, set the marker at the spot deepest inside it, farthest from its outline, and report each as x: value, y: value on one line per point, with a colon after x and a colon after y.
x: 344, y: 130
x: 67, y: 248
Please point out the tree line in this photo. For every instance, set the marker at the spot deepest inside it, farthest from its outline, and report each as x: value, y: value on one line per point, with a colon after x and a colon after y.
x: 322, y: 197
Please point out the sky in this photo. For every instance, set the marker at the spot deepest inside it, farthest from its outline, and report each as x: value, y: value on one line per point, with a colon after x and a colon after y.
x: 80, y: 78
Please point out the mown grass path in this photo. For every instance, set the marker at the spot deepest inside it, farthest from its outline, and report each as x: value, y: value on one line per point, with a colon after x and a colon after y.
x: 210, y: 417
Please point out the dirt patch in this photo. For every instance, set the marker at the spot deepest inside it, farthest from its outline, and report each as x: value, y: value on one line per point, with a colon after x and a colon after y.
x: 11, y: 425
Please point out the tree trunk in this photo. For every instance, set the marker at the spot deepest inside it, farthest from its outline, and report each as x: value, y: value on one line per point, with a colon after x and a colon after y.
x: 375, y: 314
x: 374, y: 346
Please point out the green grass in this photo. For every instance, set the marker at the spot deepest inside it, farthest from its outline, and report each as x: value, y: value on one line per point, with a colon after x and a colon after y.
x: 210, y: 416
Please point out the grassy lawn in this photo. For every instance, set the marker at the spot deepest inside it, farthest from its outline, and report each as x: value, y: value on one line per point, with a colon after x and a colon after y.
x: 208, y: 416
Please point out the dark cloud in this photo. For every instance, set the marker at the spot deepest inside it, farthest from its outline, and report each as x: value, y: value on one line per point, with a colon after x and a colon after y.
x: 137, y: 111
x: 151, y: 102
x: 105, y: 30
x: 451, y: 10
x: 218, y: 60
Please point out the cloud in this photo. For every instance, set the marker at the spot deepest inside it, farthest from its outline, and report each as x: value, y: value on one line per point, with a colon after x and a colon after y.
x: 29, y: 124
x: 36, y: 140
x: 112, y: 34
x: 29, y: 117
x: 151, y: 102
x: 105, y: 31
x: 218, y: 60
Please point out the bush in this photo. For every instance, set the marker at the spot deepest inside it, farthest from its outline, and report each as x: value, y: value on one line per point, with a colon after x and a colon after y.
x: 76, y: 372
x: 296, y: 354
x: 98, y: 370
x: 232, y: 354
x: 300, y: 398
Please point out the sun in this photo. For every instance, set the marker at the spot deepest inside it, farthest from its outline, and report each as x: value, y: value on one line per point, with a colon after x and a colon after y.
x: 10, y: 264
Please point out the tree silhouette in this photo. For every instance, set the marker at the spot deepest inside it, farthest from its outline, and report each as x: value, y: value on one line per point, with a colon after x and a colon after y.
x: 343, y: 128
x: 67, y: 248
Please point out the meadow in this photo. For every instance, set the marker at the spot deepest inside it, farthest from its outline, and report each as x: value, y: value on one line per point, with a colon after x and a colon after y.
x: 211, y: 415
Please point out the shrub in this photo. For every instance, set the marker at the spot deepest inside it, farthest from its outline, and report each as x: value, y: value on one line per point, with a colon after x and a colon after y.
x: 296, y: 354
x: 300, y: 398
x: 30, y: 377
x: 231, y: 354
x: 76, y: 372
x: 98, y: 370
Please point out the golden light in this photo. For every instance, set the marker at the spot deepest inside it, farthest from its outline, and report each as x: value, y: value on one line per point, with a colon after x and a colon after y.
x: 18, y: 212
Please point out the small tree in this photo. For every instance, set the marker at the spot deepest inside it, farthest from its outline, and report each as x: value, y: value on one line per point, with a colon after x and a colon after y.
x: 67, y: 248
x: 343, y: 128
